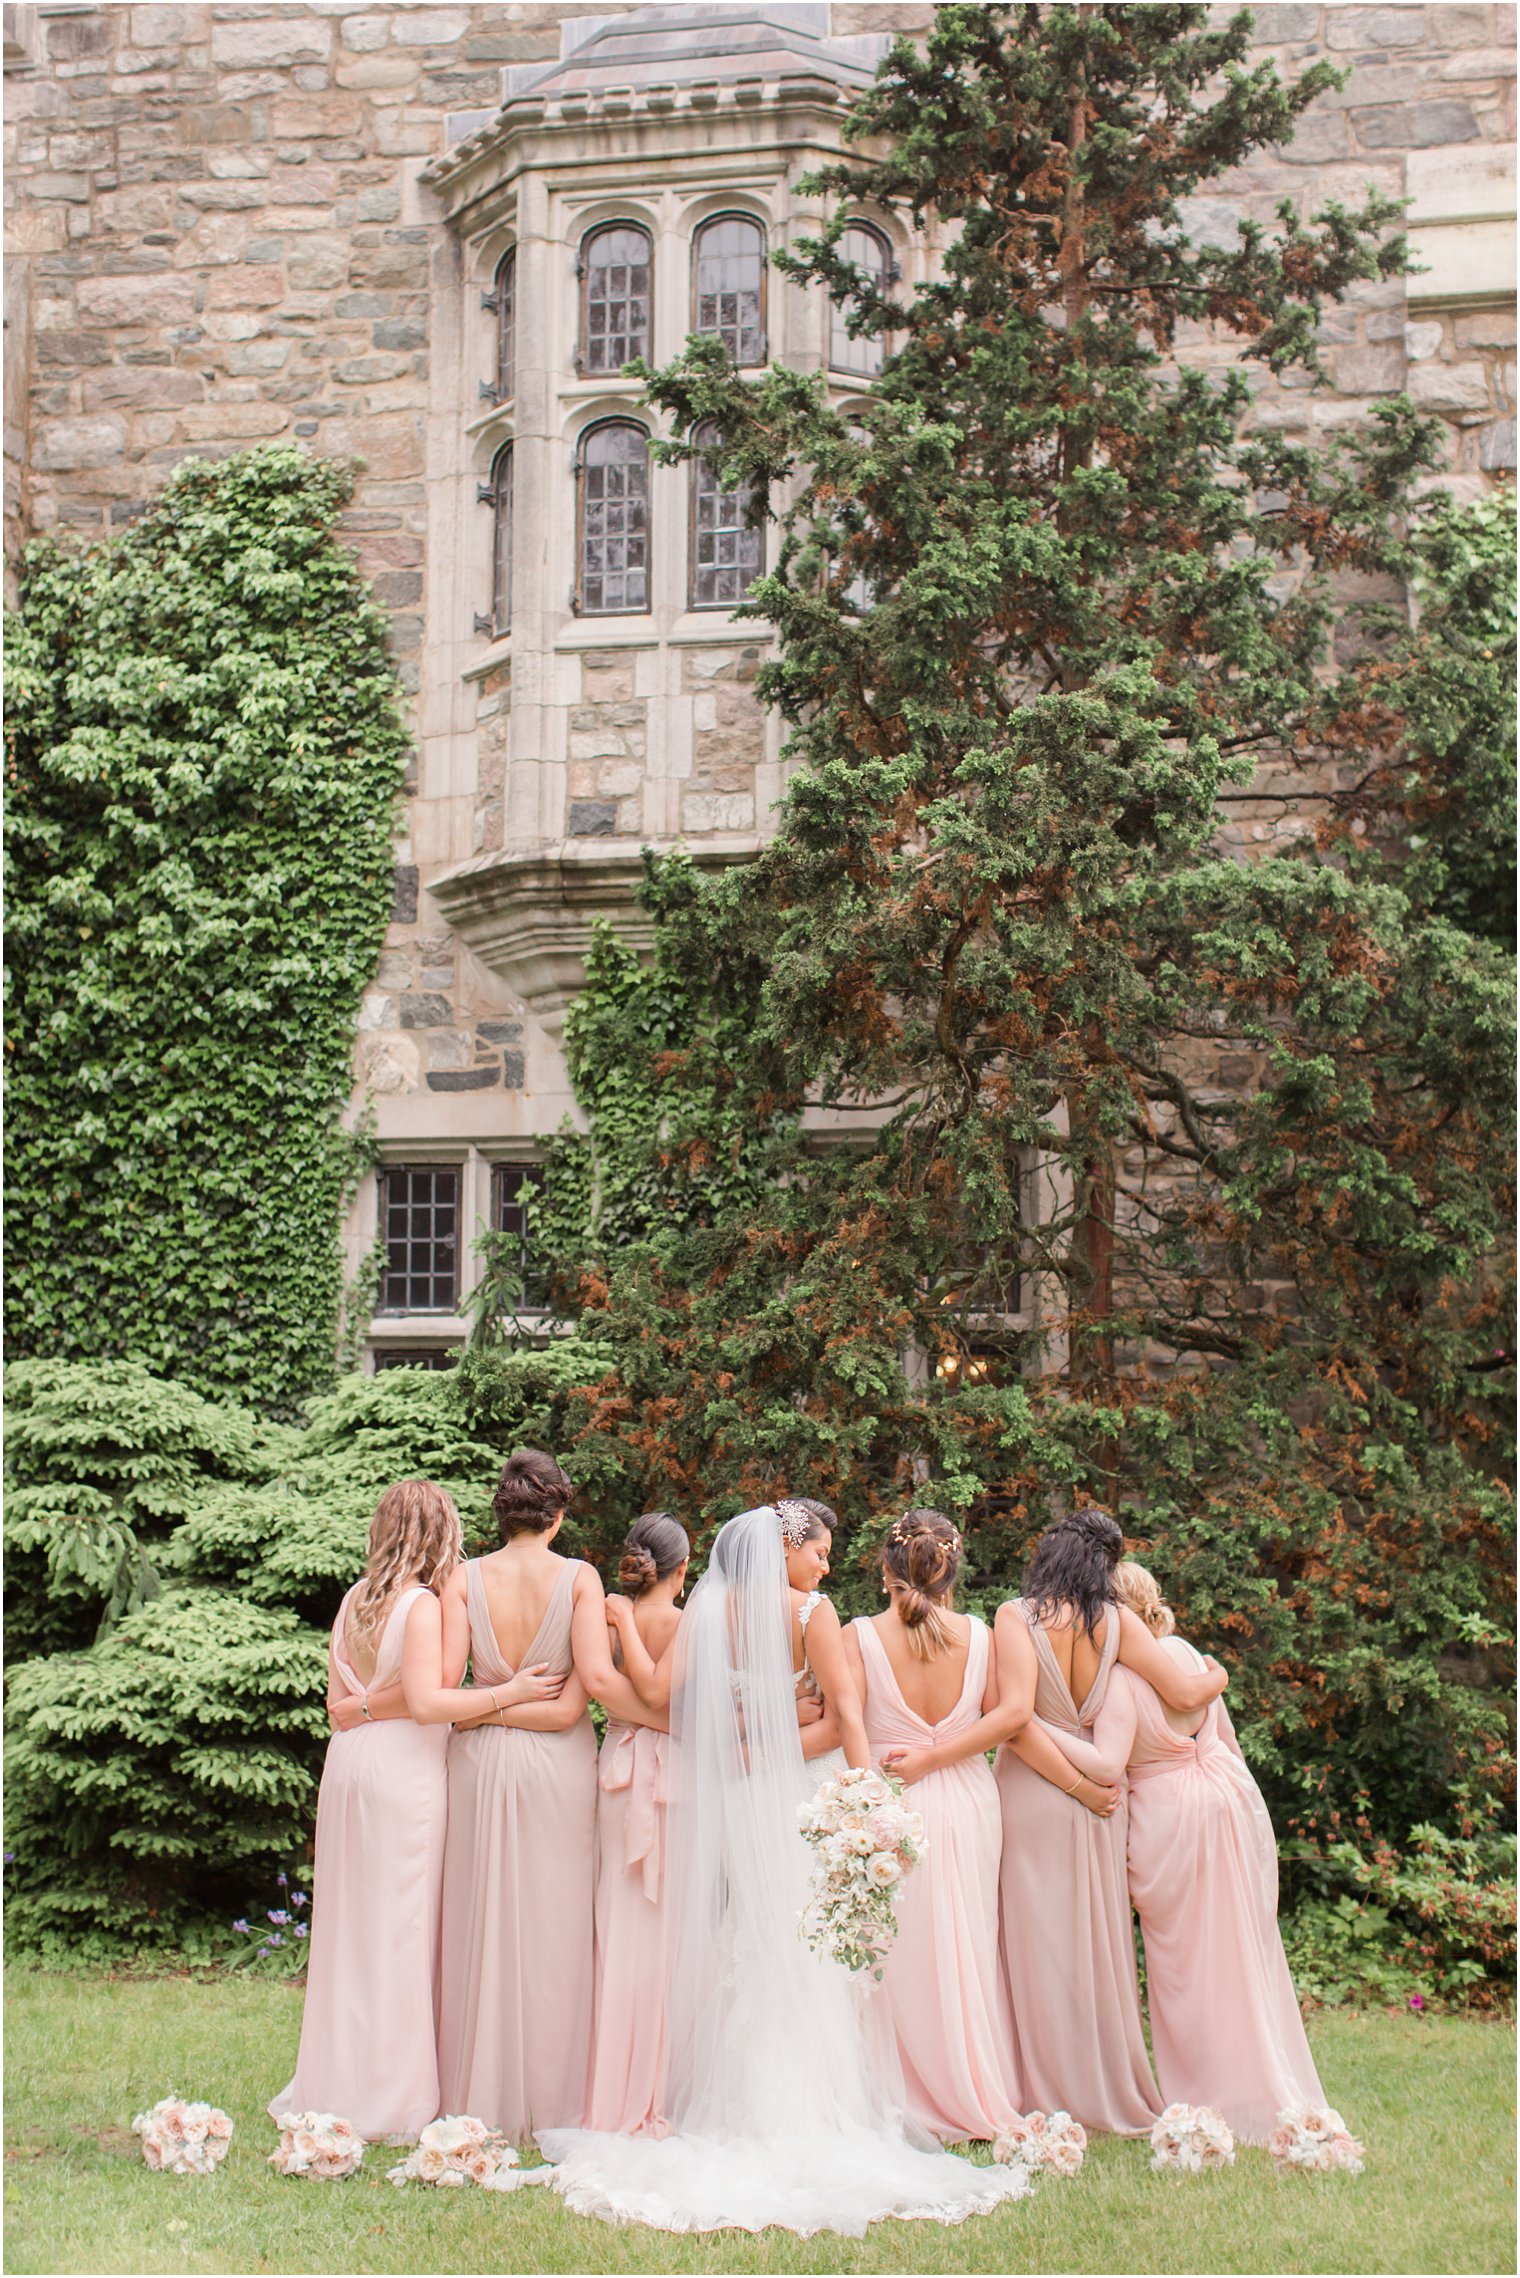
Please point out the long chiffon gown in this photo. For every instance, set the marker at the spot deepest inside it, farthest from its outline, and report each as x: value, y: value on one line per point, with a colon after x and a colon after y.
x: 941, y: 1991
x: 368, y: 2050
x: 628, y: 2034
x: 1225, y: 2022
x: 1067, y: 1946
x: 519, y: 1873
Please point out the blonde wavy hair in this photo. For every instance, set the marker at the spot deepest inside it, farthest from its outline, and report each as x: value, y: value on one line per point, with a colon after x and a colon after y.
x: 415, y: 1531
x: 1141, y: 1592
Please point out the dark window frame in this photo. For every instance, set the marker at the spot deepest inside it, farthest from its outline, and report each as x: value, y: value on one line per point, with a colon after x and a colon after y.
x: 507, y: 1182
x: 742, y: 494
x: 585, y: 268
x: 752, y: 221
x: 584, y: 608
x: 396, y: 1300
x: 844, y: 343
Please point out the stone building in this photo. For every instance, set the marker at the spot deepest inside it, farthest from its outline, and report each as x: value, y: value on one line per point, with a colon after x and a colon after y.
x: 428, y: 236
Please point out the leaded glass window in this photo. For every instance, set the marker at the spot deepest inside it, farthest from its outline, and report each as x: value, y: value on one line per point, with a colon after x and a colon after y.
x: 505, y: 294
x: 614, y: 519
x: 419, y: 1214
x: 865, y: 248
x: 728, y: 285
x: 513, y: 1187
x: 615, y: 290
x: 501, y: 540
x: 727, y: 553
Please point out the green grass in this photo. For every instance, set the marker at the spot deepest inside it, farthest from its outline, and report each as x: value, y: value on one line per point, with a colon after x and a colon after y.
x: 1433, y: 2099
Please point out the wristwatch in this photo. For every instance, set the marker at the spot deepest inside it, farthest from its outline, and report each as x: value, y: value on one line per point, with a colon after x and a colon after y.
x: 364, y: 1708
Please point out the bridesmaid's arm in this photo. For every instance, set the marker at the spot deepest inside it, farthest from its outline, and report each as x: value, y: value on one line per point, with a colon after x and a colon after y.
x: 427, y: 1701
x: 830, y: 1665
x: 1007, y: 1706
x: 593, y: 1658
x: 1186, y: 1689
x: 456, y: 1628
x: 650, y: 1679
x: 1106, y: 1754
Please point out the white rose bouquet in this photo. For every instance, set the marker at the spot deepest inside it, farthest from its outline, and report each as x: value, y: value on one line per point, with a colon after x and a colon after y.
x: 316, y: 2143
x: 864, y: 1839
x: 460, y: 2150
x: 1317, y: 2139
x: 1190, y: 2137
x: 183, y: 2138
x: 1052, y: 2142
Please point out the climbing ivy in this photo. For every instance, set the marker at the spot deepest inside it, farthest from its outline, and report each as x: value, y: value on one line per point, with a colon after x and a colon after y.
x: 205, y: 751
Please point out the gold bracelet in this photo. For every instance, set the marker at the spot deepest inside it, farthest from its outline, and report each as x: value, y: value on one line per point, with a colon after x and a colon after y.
x: 1076, y: 1783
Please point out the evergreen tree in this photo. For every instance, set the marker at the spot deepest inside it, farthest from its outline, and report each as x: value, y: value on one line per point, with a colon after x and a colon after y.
x: 1149, y: 1171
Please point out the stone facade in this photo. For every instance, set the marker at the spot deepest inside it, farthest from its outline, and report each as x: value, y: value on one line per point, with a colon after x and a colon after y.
x: 236, y: 223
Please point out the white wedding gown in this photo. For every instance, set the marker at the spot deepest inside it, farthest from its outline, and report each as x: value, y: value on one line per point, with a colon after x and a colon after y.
x: 779, y: 2103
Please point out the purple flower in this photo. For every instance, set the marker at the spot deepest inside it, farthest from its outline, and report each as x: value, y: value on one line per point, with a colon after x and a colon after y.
x: 277, y: 1938
x: 298, y: 1898
x: 10, y: 1858
x: 1416, y: 2001
x: 282, y: 1881
x: 266, y: 1948
x: 300, y: 1930
x: 241, y: 1927
x: 278, y: 1914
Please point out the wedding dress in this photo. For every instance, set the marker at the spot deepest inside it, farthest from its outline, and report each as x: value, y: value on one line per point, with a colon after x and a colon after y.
x: 775, y: 2095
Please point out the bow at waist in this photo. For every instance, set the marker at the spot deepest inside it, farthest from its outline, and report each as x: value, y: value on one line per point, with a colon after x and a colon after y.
x: 633, y: 1761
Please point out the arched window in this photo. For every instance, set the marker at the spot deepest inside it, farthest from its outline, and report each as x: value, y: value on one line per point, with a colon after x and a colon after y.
x: 500, y: 494
x: 616, y: 274
x: 503, y: 299
x: 726, y: 552
x: 612, y: 474
x: 866, y: 249
x: 728, y: 285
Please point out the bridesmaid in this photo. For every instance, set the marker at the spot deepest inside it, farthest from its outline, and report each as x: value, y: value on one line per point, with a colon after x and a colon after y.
x: 925, y: 1674
x: 1225, y: 2022
x: 1068, y: 1947
x: 514, y: 2024
x: 367, y: 2033
x: 628, y: 2035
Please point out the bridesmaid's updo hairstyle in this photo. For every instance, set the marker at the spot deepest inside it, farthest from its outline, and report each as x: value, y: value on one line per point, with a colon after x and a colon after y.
x: 920, y: 1562
x: 657, y: 1544
x: 530, y: 1494
x: 1141, y: 1592
x: 1072, y: 1570
x: 415, y: 1531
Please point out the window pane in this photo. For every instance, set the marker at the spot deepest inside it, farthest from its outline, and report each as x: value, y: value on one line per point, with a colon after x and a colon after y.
x: 421, y: 1266
x: 513, y: 1186
x: 865, y: 249
x: 616, y: 301
x: 727, y: 554
x: 614, y: 520
x: 730, y: 286
x: 506, y: 327
x: 501, y: 573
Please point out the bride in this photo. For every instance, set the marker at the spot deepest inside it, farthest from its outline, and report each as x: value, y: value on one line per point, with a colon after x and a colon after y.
x: 774, y: 2096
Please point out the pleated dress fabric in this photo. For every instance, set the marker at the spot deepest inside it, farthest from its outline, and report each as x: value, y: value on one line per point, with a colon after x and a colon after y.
x: 628, y: 2034
x: 519, y: 1879
x: 1225, y: 2021
x: 368, y: 2046
x: 1066, y: 1939
x: 942, y: 1992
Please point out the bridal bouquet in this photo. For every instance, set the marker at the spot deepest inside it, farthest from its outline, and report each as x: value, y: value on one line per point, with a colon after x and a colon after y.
x: 457, y: 2151
x: 1315, y: 2138
x: 181, y: 2138
x: 316, y: 2143
x: 1053, y: 2141
x: 864, y: 1839
x: 1190, y: 2137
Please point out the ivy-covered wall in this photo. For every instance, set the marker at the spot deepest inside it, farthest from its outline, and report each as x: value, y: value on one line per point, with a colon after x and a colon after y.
x: 205, y: 752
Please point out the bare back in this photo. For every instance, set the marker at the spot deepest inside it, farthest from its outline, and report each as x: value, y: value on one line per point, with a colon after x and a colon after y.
x: 1077, y: 1652
x: 518, y: 1586
x: 931, y: 1689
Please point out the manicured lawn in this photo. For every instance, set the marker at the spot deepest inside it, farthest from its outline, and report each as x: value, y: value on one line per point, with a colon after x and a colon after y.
x: 1432, y: 2098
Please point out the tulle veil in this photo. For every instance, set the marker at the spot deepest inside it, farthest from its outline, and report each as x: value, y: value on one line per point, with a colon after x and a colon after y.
x: 779, y: 2097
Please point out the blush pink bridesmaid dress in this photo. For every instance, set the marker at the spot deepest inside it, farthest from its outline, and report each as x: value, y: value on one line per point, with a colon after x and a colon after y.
x: 1067, y: 1944
x: 628, y: 2034
x: 1225, y: 2022
x: 368, y: 2049
x: 519, y: 1873
x: 942, y: 1991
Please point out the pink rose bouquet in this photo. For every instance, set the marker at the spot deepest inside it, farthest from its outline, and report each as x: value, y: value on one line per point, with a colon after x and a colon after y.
x: 459, y: 2150
x: 1053, y: 2143
x: 183, y: 2138
x: 317, y: 2144
x: 864, y: 1839
x: 1315, y: 2138
x: 1189, y: 2138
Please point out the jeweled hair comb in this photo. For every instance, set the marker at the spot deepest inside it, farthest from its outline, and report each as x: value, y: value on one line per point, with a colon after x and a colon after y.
x: 796, y: 1522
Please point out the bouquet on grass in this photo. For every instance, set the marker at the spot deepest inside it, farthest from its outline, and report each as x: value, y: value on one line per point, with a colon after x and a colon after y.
x: 182, y: 2138
x: 1316, y: 2138
x: 1190, y: 2137
x: 1052, y: 2142
x: 864, y: 1839
x: 461, y: 2150
x: 316, y: 2143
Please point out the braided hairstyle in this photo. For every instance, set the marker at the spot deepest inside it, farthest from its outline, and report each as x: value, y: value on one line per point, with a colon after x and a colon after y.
x: 1072, y: 1570
x: 656, y: 1545
x: 920, y: 1561
x: 1138, y: 1589
x: 530, y: 1494
x: 415, y: 1530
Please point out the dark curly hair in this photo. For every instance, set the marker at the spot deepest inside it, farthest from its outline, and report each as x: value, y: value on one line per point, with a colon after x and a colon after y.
x: 530, y: 1494
x: 1072, y: 1570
